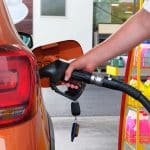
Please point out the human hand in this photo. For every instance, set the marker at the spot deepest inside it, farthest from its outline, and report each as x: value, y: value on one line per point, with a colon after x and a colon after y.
x: 83, y: 63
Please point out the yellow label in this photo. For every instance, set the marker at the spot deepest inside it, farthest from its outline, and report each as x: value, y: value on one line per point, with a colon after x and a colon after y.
x: 111, y: 70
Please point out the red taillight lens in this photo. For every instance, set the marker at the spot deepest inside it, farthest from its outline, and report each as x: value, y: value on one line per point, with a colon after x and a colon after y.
x: 8, y: 80
x: 17, y: 85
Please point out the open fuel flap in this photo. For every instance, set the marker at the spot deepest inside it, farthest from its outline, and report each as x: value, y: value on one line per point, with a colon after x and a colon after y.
x: 49, y: 53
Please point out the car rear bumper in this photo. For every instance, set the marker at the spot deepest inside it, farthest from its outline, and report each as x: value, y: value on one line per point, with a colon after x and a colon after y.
x: 30, y: 135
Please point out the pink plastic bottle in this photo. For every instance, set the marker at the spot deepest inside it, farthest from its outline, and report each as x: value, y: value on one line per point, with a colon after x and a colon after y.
x: 144, y: 128
x: 128, y: 120
x: 130, y: 126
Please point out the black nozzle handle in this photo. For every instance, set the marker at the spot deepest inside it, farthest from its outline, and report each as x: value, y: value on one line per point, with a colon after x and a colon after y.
x: 56, y: 72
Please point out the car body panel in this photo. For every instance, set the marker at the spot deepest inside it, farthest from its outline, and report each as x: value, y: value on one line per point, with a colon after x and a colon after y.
x: 32, y: 134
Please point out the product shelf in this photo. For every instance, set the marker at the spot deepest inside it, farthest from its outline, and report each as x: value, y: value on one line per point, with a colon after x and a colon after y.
x: 134, y: 132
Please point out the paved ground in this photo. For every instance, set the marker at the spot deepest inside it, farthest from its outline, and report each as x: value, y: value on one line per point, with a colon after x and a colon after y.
x: 96, y: 133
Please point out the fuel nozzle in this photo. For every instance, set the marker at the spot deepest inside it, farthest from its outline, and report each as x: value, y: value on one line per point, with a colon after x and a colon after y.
x: 57, y: 69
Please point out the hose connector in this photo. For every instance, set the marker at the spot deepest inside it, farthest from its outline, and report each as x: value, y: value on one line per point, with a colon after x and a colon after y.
x: 97, y: 79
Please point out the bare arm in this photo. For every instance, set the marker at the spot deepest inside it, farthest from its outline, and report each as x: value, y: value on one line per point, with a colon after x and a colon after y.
x: 135, y: 30
x: 131, y: 33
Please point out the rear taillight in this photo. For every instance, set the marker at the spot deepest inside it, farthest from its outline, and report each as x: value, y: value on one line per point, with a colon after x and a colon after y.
x: 17, y: 84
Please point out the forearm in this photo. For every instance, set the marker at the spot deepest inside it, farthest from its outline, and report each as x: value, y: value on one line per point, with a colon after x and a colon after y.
x: 128, y: 36
x: 134, y: 31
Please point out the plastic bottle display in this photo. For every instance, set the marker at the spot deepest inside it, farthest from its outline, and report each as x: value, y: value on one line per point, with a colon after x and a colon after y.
x: 133, y: 82
x: 131, y: 127
x: 118, y: 62
x: 147, y: 88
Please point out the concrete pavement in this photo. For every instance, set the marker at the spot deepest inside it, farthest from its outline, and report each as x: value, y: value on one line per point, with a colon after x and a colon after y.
x: 96, y: 133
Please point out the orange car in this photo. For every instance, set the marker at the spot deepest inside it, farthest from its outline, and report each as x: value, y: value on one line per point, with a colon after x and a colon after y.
x: 24, y: 122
